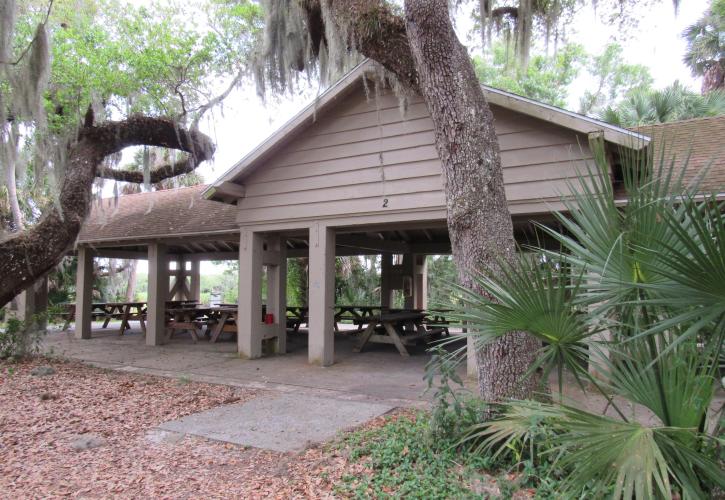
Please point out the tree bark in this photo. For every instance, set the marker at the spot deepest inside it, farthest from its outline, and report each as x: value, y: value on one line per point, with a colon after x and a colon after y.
x: 479, y: 223
x: 11, y: 136
x: 132, y: 278
x: 423, y: 51
x: 26, y: 256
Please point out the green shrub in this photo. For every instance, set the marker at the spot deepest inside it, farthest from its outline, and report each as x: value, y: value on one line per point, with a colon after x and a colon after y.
x: 19, y: 338
x: 650, y: 273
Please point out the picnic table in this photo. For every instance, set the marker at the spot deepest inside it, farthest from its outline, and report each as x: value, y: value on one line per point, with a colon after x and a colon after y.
x: 187, y: 317
x: 125, y: 311
x: 437, y: 318
x: 296, y: 315
x: 359, y: 315
x: 401, y: 328
x: 221, y: 319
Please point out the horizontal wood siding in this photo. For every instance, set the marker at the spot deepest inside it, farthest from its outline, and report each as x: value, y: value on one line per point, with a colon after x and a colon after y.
x: 364, y: 157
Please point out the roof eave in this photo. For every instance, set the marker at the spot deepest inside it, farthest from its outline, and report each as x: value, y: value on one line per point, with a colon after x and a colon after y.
x: 565, y: 118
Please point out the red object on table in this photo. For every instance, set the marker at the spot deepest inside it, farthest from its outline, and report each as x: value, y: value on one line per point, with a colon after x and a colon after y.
x: 269, y: 319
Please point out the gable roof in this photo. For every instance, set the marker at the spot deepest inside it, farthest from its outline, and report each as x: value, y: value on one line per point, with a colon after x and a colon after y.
x: 224, y: 188
x: 172, y: 212
x: 700, y: 141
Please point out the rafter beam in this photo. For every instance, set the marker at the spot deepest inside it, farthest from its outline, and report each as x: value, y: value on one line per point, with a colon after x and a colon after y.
x: 372, y: 244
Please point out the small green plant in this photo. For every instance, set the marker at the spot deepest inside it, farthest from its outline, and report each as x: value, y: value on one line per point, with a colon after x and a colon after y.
x: 21, y: 338
x: 184, y: 380
x: 454, y: 408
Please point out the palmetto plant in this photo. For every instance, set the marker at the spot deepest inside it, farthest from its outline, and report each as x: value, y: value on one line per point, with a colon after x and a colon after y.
x: 636, y: 285
x: 675, y: 102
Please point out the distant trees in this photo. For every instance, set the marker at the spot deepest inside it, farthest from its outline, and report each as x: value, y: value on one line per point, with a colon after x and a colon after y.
x: 646, y: 106
x: 546, y: 78
x: 705, y: 54
x: 66, y: 70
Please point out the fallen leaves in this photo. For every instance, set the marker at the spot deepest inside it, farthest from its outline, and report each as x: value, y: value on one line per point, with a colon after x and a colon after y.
x: 40, y: 417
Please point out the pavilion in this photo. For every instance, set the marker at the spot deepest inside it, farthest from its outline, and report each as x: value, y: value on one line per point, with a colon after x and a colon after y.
x: 349, y: 175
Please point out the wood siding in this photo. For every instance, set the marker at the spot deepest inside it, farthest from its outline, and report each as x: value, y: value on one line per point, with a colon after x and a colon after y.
x: 363, y: 157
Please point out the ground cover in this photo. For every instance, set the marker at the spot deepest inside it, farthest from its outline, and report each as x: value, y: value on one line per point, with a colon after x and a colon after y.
x: 72, y: 430
x: 42, y: 417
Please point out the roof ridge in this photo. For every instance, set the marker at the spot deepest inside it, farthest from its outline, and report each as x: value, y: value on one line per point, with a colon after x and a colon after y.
x: 665, y: 124
x: 126, y: 195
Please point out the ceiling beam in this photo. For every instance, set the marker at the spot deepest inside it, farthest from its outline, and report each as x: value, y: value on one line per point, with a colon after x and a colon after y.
x: 119, y: 254
x: 372, y: 244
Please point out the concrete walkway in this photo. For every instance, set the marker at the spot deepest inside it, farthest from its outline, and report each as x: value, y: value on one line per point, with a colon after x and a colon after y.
x: 279, y: 422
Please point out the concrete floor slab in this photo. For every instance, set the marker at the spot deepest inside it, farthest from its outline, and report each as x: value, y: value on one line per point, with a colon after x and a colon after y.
x: 377, y: 374
x: 280, y: 422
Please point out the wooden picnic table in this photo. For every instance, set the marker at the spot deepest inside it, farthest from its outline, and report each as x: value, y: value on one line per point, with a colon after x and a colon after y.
x: 187, y: 317
x: 437, y: 318
x: 359, y: 315
x: 125, y: 311
x: 296, y: 315
x: 400, y: 328
x: 98, y: 311
x: 222, y: 319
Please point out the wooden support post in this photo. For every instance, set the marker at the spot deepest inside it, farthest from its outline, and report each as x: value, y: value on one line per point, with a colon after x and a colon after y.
x: 276, y: 263
x: 322, y: 295
x: 386, y: 275
x: 158, y: 292
x: 249, y: 319
x: 84, y: 293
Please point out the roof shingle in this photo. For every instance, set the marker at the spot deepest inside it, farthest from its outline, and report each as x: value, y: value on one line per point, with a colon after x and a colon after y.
x: 703, y: 139
x: 172, y: 212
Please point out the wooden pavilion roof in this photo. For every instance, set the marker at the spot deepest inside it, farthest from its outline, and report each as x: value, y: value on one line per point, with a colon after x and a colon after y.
x: 158, y: 214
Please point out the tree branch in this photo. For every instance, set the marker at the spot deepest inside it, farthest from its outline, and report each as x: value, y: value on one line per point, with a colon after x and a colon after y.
x: 375, y: 31
x: 27, y: 256
x: 216, y: 100
x: 157, y: 175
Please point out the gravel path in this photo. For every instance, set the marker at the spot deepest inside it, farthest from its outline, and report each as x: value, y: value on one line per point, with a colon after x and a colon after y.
x: 41, y: 417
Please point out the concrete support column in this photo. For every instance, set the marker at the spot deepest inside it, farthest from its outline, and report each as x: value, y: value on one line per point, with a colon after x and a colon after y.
x: 195, y: 280
x: 31, y: 306
x: 84, y: 293
x: 322, y: 295
x: 471, y: 365
x: 386, y: 276
x: 177, y: 284
x: 407, y: 280
x: 249, y: 320
x: 275, y: 258
x: 420, y: 282
x: 158, y: 292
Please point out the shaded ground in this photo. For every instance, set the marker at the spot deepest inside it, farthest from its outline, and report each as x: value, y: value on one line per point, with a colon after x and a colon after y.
x: 378, y: 373
x: 40, y: 416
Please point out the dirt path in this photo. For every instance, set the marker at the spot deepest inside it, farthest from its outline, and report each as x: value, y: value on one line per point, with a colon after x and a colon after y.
x: 41, y: 418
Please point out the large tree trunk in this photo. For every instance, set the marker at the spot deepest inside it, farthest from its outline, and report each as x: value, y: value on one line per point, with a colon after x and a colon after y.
x: 132, y: 278
x: 423, y: 51
x: 479, y: 222
x: 28, y: 255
